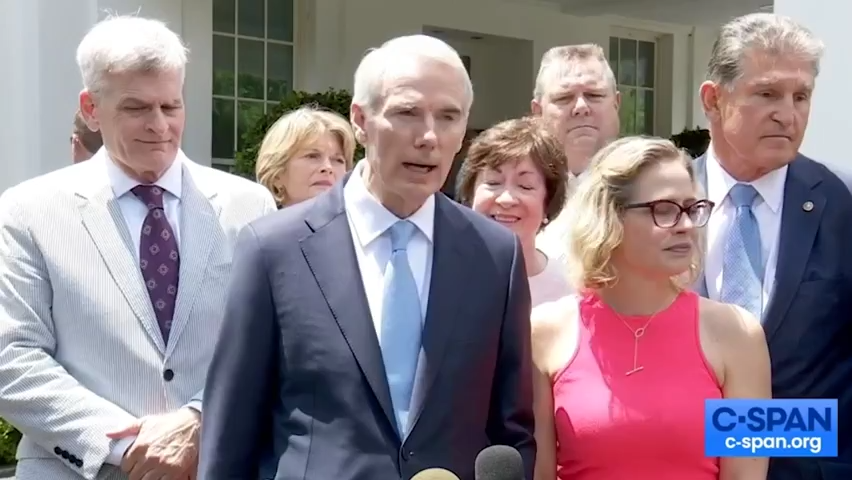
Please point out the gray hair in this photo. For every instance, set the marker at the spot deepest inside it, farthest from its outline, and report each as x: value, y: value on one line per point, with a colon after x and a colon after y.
x: 120, y: 44
x: 768, y: 32
x: 376, y: 64
x: 559, y: 58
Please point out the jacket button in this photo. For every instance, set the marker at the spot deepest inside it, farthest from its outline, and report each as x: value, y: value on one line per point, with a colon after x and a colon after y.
x: 168, y: 375
x: 57, y: 450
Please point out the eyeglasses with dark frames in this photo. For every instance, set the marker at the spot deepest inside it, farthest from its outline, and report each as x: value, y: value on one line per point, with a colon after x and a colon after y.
x: 668, y: 213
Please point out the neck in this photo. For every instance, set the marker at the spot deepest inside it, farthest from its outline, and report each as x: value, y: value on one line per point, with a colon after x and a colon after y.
x: 737, y: 167
x: 143, y: 176
x: 533, y: 260
x: 640, y: 296
x: 578, y: 161
x: 397, y: 204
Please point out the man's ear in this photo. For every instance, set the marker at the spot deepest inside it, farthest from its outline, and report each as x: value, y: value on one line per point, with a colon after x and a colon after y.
x: 358, y: 120
x: 535, y: 107
x: 709, y: 94
x: 87, y: 110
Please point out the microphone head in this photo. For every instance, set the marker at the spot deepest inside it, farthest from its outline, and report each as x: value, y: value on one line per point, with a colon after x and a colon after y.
x: 435, y: 474
x: 499, y: 462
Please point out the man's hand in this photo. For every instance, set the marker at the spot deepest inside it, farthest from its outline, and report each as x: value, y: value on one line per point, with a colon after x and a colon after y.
x: 166, y: 446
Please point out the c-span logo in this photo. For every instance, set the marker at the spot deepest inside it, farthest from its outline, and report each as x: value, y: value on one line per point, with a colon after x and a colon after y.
x: 770, y: 428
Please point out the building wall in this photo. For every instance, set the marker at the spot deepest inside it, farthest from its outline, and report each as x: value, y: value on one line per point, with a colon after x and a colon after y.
x: 331, y: 35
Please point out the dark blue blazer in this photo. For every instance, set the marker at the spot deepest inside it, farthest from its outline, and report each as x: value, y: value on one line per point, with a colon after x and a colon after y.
x: 808, y: 320
x: 297, y: 387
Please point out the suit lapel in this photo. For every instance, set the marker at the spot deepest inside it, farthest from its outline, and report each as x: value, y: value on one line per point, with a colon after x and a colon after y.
x: 198, y: 232
x: 700, y: 166
x: 798, y: 231
x: 330, y: 254
x: 450, y: 250
x: 105, y: 223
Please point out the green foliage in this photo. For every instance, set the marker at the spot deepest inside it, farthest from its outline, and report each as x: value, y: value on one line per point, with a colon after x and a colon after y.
x: 334, y: 100
x: 694, y: 141
x: 9, y: 438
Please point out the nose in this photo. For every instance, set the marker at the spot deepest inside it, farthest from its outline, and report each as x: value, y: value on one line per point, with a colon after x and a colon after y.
x: 429, y: 139
x: 325, y: 166
x: 157, y: 123
x: 506, y: 198
x: 581, y: 107
x: 684, y: 223
x: 786, y: 112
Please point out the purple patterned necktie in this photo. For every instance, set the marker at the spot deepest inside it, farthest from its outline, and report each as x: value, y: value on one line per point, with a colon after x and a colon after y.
x: 158, y: 257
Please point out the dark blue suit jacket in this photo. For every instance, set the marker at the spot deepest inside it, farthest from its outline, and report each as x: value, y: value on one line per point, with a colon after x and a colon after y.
x: 808, y: 320
x: 297, y: 387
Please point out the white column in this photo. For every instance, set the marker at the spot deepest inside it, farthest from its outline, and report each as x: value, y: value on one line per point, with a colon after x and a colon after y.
x: 827, y: 136
x: 38, y: 44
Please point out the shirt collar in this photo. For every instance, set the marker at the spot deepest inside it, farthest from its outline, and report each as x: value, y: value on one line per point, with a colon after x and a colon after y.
x: 769, y: 186
x: 121, y: 183
x: 371, y: 219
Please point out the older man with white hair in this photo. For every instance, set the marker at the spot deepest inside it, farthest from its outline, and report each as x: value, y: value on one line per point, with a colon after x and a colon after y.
x: 113, y: 273
x: 378, y: 329
x: 778, y: 239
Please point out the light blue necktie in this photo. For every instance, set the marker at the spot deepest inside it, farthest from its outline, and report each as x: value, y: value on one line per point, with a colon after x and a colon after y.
x: 742, y: 271
x: 401, y: 323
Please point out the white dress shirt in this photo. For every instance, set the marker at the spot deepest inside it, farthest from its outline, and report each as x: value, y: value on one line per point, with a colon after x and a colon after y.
x: 134, y: 212
x: 368, y: 221
x: 767, y: 211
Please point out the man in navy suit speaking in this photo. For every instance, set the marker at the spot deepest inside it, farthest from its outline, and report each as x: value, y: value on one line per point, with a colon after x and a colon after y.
x: 378, y: 329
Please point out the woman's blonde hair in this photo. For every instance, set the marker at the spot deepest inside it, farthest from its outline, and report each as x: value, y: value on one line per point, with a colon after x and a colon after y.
x: 597, y: 229
x: 292, y: 134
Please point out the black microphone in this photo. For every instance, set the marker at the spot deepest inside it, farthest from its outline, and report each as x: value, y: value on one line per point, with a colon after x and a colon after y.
x: 435, y: 474
x: 499, y: 462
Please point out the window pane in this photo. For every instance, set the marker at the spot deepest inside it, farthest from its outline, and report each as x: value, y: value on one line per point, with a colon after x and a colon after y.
x: 627, y: 113
x: 613, y: 55
x: 279, y: 69
x: 250, y: 69
x: 270, y: 106
x: 224, y: 16
x: 280, y: 20
x: 646, y: 64
x: 627, y: 61
x: 645, y: 112
x: 251, y: 18
x: 248, y: 113
x: 222, y: 166
x: 223, y: 128
x: 223, y: 65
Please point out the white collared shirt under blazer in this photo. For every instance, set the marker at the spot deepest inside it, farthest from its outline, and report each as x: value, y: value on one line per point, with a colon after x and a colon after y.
x: 81, y: 353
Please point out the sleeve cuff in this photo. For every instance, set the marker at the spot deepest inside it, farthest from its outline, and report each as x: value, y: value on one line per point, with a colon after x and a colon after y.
x: 194, y: 405
x: 116, y: 455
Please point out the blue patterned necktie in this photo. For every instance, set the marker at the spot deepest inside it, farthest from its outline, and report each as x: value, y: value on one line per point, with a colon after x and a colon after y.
x: 742, y: 271
x: 401, y: 323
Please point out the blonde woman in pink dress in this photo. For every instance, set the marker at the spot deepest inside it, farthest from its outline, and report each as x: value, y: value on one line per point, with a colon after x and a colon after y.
x: 624, y: 367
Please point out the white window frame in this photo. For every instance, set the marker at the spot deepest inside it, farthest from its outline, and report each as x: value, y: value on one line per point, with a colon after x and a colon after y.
x: 615, y: 57
x: 229, y: 162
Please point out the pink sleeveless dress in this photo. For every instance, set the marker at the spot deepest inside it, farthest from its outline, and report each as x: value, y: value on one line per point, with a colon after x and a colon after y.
x: 645, y: 426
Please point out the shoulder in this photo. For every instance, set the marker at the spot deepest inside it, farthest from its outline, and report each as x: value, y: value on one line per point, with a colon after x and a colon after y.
x: 731, y: 327
x: 838, y: 181
x: 286, y: 224
x: 43, y: 193
x: 550, y: 318
x: 227, y: 184
x: 551, y: 324
x: 491, y: 233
